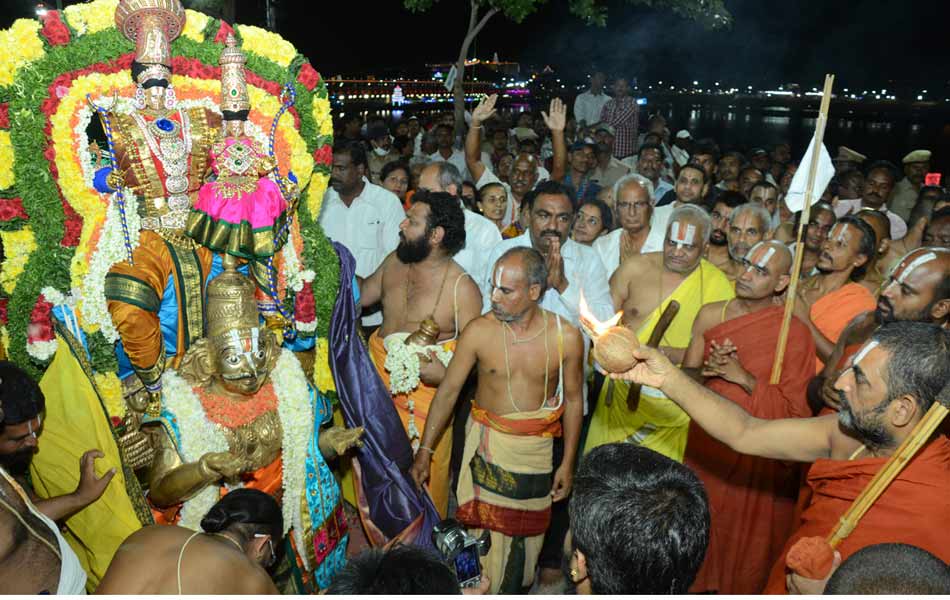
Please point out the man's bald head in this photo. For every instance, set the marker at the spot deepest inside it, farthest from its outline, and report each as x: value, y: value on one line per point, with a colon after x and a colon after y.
x: 890, y: 569
x: 519, y: 280
x: 918, y: 288
x: 441, y: 176
x: 765, y: 271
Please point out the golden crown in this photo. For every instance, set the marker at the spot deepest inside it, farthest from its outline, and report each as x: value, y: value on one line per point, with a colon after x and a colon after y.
x: 152, y: 25
x: 231, y: 304
x: 233, y: 84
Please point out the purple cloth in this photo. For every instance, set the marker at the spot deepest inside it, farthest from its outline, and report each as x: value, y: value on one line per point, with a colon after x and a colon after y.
x: 393, y: 498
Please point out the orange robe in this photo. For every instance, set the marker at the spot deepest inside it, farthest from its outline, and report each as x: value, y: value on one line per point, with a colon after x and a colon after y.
x: 914, y: 509
x: 751, y: 499
x: 832, y: 312
x: 439, y: 479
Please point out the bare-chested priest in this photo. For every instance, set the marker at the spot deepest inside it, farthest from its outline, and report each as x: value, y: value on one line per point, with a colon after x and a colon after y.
x: 643, y: 287
x: 529, y: 364
x: 419, y: 284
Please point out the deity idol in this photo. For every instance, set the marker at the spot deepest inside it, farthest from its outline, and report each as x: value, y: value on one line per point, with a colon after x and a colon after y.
x: 226, y: 422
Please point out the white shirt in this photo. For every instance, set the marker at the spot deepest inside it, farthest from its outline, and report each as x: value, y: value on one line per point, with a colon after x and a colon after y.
x: 458, y: 159
x: 660, y: 189
x: 658, y: 224
x: 369, y: 228
x: 608, y: 249
x: 848, y: 207
x: 481, y: 235
x: 588, y: 106
x: 583, y: 271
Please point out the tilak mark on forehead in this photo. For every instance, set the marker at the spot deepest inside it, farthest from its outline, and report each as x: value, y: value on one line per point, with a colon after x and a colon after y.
x: 842, y: 234
x: 687, y: 237
x: 871, y: 345
x: 917, y: 262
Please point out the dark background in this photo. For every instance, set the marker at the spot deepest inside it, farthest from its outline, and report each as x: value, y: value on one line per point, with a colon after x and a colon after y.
x: 867, y: 43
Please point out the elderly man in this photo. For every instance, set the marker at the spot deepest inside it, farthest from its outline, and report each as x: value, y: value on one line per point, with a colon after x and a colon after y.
x: 904, y: 196
x: 829, y: 300
x: 481, y: 235
x: 526, y: 169
x: 890, y: 384
x: 421, y: 281
x: 748, y: 225
x: 360, y: 215
x: 877, y: 188
x: 718, y: 250
x: 751, y: 499
x: 632, y: 195
x: 642, y: 288
x: 526, y: 389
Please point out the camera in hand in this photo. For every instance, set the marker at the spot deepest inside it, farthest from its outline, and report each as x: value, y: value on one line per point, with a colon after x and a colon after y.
x: 462, y: 550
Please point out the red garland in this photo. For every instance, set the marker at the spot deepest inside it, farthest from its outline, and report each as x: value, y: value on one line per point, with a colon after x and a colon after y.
x: 54, y: 30
x: 40, y: 328
x: 12, y: 208
x: 4, y: 115
x: 223, y: 32
x: 323, y: 155
x: 308, y: 76
x: 304, y: 305
x: 3, y: 310
x: 72, y: 226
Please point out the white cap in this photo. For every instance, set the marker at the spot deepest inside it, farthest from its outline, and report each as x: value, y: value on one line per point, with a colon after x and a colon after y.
x: 682, y: 134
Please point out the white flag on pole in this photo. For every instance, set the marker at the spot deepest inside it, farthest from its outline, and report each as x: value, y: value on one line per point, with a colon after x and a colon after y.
x: 450, y: 79
x: 795, y: 198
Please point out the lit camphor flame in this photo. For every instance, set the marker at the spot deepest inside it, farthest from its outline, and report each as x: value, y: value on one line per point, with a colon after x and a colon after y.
x: 589, y: 323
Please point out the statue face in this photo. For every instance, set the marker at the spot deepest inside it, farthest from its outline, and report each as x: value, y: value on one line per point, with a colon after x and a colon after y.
x: 244, y: 359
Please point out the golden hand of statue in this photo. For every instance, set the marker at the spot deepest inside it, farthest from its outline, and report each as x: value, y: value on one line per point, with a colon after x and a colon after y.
x: 339, y: 439
x: 115, y: 179
x: 223, y: 464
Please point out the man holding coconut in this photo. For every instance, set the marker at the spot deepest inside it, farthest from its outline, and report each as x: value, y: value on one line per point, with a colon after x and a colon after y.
x: 643, y: 287
x: 529, y: 363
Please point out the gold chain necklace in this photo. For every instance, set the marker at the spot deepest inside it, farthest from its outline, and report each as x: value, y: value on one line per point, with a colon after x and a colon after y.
x: 504, y: 335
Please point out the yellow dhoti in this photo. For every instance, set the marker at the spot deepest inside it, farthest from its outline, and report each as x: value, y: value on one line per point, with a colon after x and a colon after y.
x: 658, y: 423
x: 421, y: 397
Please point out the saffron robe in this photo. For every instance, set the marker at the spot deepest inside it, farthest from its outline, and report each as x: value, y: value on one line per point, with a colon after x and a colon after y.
x: 751, y: 499
x: 832, y: 312
x: 914, y: 509
x: 658, y: 423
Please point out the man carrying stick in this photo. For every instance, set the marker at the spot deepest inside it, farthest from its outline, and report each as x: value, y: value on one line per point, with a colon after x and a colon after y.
x: 889, y: 386
x: 529, y: 364
x: 751, y: 499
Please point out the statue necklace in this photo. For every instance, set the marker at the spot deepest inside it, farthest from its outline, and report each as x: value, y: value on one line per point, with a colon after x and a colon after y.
x: 547, y: 356
x: 438, y: 297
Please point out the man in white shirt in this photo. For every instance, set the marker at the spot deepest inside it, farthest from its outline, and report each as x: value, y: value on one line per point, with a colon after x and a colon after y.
x: 634, y: 204
x: 691, y: 187
x: 574, y: 269
x: 481, y: 235
x: 876, y: 190
x: 587, y: 106
x: 448, y: 153
x: 360, y: 215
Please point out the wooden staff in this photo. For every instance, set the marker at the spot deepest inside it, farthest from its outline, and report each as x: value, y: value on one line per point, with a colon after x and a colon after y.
x: 662, y: 324
x: 892, y: 468
x: 802, y: 224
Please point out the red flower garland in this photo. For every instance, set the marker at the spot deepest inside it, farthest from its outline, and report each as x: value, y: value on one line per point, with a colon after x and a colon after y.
x: 3, y: 310
x: 223, y: 32
x: 4, y: 115
x: 72, y: 226
x: 54, y: 30
x: 12, y: 208
x: 304, y: 306
x: 323, y: 155
x: 308, y: 76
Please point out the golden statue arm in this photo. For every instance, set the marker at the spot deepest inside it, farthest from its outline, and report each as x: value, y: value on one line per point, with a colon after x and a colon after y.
x: 337, y: 440
x: 171, y: 481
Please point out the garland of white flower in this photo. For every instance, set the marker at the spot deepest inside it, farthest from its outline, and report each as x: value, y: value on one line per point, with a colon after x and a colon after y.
x: 109, y: 251
x: 402, y: 362
x: 199, y: 436
x: 296, y: 421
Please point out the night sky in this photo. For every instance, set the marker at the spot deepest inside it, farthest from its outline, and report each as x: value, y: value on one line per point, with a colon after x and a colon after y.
x: 865, y: 42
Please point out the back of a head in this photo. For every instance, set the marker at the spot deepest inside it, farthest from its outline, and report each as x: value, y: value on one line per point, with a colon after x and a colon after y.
x: 21, y: 399
x: 890, y: 569
x: 640, y: 519
x: 246, y: 511
x: 395, y: 571
x: 918, y: 364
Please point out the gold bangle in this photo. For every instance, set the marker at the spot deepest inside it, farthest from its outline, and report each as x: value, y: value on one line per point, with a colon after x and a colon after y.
x: 427, y: 449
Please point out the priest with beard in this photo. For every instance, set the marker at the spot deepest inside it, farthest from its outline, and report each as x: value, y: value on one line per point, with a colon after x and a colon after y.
x: 23, y: 405
x: 422, y: 288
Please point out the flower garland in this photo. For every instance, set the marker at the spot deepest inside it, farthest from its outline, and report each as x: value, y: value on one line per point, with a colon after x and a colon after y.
x: 83, y: 37
x: 109, y: 251
x: 6, y: 161
x: 296, y: 421
x: 402, y: 362
x: 110, y: 389
x: 201, y: 437
x: 322, y: 375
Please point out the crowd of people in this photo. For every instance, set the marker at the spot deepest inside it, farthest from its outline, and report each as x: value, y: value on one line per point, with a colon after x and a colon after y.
x: 491, y: 245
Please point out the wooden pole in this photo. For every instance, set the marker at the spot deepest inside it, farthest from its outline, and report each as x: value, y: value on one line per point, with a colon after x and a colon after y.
x: 802, y: 224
